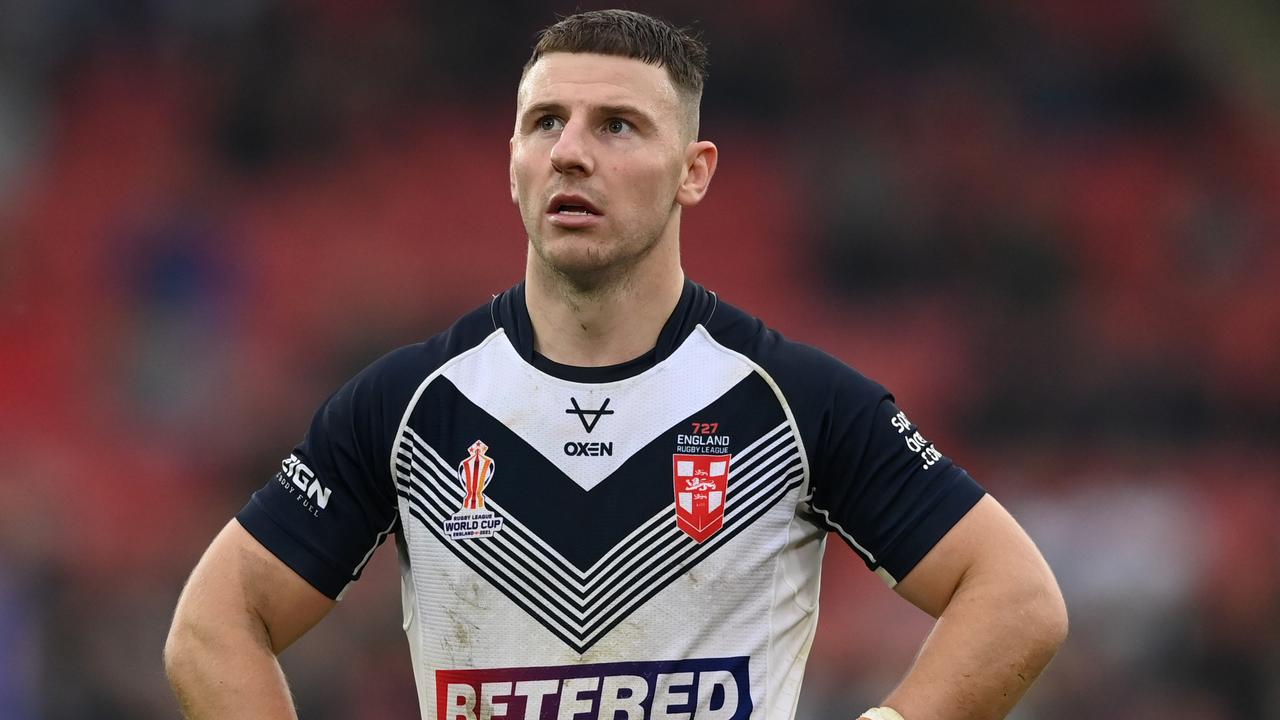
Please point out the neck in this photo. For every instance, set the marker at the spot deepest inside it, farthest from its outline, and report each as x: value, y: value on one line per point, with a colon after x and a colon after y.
x: 606, y: 321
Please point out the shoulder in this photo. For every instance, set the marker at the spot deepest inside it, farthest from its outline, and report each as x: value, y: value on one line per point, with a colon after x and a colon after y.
x: 801, y: 373
x: 404, y: 368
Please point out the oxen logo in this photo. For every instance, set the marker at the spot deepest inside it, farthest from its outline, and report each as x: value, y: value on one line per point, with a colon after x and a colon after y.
x: 475, y: 473
x: 582, y: 413
x: 701, y: 485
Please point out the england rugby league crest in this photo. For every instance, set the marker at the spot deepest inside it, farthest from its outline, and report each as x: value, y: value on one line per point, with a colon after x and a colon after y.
x: 701, y: 486
x: 473, y: 520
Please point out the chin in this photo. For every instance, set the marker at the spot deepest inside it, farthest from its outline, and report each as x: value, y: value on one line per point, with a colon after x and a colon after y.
x: 582, y: 267
x: 582, y: 261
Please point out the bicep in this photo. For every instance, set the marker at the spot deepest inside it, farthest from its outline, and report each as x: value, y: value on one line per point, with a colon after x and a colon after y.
x: 986, y: 545
x: 241, y: 583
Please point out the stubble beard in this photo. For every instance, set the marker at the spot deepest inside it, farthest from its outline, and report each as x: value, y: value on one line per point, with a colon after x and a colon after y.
x: 604, y: 266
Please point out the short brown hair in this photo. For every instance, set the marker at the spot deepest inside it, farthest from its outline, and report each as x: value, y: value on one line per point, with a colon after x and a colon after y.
x: 630, y: 34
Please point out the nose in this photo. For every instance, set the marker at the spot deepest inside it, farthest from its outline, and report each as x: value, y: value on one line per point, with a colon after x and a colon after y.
x: 571, y: 154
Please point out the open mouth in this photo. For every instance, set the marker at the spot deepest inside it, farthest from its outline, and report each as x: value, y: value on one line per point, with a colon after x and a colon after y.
x: 572, y: 206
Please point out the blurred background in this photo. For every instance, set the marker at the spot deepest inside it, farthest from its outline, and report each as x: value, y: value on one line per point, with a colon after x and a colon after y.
x: 1050, y: 226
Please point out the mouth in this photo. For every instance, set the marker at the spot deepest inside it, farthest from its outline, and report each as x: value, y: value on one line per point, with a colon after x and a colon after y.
x: 573, y: 212
x: 572, y: 206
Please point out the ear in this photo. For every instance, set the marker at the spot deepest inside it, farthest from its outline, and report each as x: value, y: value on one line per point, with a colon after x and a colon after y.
x: 511, y: 168
x: 700, y: 164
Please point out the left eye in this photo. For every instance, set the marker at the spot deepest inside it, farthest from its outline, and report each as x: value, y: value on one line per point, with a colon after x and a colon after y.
x: 617, y: 127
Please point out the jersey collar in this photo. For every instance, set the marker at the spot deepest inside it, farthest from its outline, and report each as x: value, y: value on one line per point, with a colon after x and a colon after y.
x: 695, y: 307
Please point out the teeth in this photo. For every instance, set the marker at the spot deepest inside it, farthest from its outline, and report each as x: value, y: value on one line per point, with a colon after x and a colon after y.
x: 574, y: 212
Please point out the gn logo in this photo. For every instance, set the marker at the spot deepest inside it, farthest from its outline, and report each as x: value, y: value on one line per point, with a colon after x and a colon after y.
x: 305, y: 480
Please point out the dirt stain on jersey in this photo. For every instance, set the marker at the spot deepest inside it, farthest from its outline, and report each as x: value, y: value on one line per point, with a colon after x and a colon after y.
x: 462, y: 632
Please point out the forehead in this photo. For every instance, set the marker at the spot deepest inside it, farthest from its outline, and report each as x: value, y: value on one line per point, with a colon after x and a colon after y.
x: 596, y: 79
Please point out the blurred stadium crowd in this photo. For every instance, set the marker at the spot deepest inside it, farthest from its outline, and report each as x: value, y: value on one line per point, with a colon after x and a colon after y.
x: 1051, y: 227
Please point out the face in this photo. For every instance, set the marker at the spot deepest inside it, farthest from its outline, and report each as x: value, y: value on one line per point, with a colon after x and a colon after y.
x: 601, y: 162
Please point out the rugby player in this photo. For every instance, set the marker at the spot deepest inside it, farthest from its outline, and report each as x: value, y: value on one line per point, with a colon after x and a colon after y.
x: 610, y: 490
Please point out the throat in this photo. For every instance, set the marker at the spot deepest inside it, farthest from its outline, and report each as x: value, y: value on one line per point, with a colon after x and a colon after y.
x: 605, y: 317
x: 598, y: 328
x: 606, y: 339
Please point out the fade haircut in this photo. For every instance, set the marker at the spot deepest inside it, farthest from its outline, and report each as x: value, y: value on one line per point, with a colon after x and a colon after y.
x: 626, y: 33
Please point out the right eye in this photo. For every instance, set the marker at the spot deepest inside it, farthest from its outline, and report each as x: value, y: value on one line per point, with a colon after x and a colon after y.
x: 549, y: 123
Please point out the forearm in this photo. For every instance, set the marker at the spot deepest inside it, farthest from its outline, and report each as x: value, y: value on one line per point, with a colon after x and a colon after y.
x: 989, y: 644
x: 225, y: 674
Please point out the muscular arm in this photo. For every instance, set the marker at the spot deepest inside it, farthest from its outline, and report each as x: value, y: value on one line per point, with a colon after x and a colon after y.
x: 240, y: 608
x: 1000, y: 619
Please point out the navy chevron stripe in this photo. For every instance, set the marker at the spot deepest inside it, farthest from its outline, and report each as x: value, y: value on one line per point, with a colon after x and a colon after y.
x: 619, y: 571
x: 578, y: 606
x: 598, y: 573
x: 649, y: 558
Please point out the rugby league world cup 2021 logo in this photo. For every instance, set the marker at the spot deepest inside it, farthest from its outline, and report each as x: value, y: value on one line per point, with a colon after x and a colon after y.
x: 472, y: 520
x: 701, y: 485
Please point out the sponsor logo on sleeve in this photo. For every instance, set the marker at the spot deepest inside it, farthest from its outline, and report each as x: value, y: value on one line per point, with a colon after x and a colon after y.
x: 915, y: 442
x: 472, y: 520
x: 302, y: 484
x: 704, y: 689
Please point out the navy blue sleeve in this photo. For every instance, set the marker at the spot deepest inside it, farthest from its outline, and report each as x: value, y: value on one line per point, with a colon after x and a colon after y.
x: 333, y: 500
x: 874, y: 478
x: 881, y: 485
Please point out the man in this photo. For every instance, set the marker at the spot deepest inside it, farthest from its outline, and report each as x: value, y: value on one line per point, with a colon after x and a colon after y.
x: 610, y: 490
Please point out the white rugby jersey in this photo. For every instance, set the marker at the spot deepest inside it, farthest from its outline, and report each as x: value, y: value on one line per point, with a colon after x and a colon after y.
x: 636, y: 541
